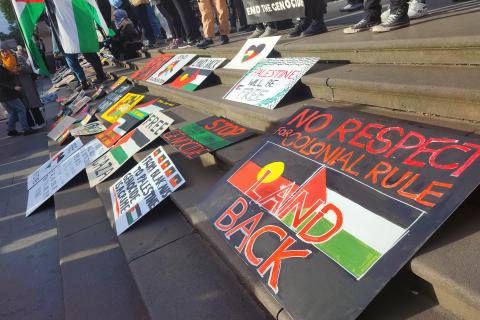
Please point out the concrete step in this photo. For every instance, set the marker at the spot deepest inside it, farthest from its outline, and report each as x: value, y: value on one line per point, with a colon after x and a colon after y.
x: 437, y: 39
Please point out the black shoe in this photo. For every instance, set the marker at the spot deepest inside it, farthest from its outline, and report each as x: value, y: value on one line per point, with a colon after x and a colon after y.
x: 85, y: 85
x: 397, y: 19
x: 299, y: 28
x: 362, y: 25
x: 316, y: 27
x: 205, y: 43
x: 13, y: 133
x: 28, y: 132
x: 224, y: 39
x: 100, y: 80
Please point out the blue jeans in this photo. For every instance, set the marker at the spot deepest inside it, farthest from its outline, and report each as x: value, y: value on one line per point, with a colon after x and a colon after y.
x: 152, y: 18
x: 74, y: 65
x: 16, y: 112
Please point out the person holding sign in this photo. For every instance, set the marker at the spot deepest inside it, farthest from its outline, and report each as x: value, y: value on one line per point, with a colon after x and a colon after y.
x: 206, y: 8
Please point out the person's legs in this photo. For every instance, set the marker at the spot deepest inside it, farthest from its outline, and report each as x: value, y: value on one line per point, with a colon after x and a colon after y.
x: 171, y: 15
x: 94, y: 60
x: 74, y: 65
x: 156, y: 28
x: 240, y: 10
x: 37, y: 116
x: 188, y: 19
x: 232, y: 13
x: 315, y: 9
x: 206, y: 9
x: 373, y: 10
x: 222, y: 14
x: 142, y: 14
x: 17, y: 109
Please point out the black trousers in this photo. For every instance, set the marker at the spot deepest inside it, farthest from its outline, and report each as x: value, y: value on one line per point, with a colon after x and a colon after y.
x: 34, y: 117
x: 187, y: 16
x: 373, y: 8
x: 142, y: 14
x: 315, y: 9
x: 238, y: 11
x: 170, y: 13
x: 94, y: 60
x: 106, y: 11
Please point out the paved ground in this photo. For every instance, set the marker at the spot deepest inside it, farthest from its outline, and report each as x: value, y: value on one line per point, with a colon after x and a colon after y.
x: 30, y: 278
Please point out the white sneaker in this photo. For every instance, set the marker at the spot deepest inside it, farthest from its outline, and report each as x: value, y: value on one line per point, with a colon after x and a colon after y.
x: 269, y: 31
x: 257, y: 33
x: 416, y: 9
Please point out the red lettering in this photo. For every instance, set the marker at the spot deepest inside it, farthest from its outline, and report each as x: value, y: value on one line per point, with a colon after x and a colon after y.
x: 303, y: 234
x: 234, y: 212
x: 245, y: 230
x: 364, y: 134
x: 401, y: 144
x: 343, y: 129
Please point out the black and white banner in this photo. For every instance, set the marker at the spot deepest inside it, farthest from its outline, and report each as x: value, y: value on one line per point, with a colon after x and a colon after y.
x: 260, y: 11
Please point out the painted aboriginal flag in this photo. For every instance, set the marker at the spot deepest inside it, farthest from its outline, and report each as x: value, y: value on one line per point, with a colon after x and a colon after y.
x: 191, y: 79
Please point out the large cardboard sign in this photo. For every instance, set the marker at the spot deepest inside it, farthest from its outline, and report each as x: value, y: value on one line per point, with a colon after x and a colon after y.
x: 143, y: 188
x: 88, y: 129
x: 123, y: 105
x: 269, y: 81
x: 62, y: 125
x: 126, y: 147
x: 152, y: 105
x: 252, y: 52
x: 113, y: 97
x: 261, y: 11
x: 58, y: 158
x: 117, y: 83
x: 336, y: 202
x: 62, y: 174
x: 170, y: 69
x: 196, y: 73
x: 207, y: 135
x: 123, y: 125
x: 78, y: 105
x: 151, y: 67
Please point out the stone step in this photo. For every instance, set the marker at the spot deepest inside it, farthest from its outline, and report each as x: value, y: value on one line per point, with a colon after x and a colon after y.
x: 426, y: 41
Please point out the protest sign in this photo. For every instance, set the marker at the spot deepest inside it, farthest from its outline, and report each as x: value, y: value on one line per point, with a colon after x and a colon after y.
x: 60, y: 128
x: 151, y: 105
x: 123, y: 125
x: 210, y: 134
x: 261, y: 11
x: 269, y: 81
x: 196, y: 73
x: 142, y: 188
x: 88, y: 129
x: 117, y: 83
x: 338, y: 201
x: 73, y: 98
x: 58, y: 158
x: 62, y: 174
x: 252, y: 52
x: 170, y: 69
x: 121, y: 107
x: 207, y: 63
x: 151, y: 67
x: 92, y: 110
x: 79, y: 104
x: 113, y: 97
x: 127, y: 146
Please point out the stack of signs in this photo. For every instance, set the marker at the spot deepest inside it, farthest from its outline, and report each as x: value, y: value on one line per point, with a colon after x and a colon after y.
x: 213, y: 133
x: 269, y: 81
x: 73, y: 97
x: 169, y: 69
x: 64, y: 171
x: 142, y: 188
x: 61, y: 127
x: 151, y: 67
x: 126, y: 147
x: 117, y: 84
x: 123, y: 125
x: 337, y: 202
x: 78, y: 104
x: 261, y: 11
x: 113, y: 97
x: 48, y: 166
x: 123, y: 105
x: 89, y: 115
x: 88, y: 129
x: 252, y: 52
x: 56, y: 86
x: 196, y: 73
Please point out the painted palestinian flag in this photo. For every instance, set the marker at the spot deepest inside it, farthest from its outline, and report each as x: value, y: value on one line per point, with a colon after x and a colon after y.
x: 28, y: 12
x: 191, y: 79
x: 123, y: 125
x: 355, y: 231
x: 133, y: 214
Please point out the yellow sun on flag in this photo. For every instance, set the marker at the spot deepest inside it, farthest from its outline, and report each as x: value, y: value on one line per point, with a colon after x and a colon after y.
x: 275, y: 171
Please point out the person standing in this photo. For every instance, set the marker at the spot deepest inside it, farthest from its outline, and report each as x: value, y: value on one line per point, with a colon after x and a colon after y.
x: 141, y: 11
x: 398, y: 17
x: 313, y: 22
x: 207, y: 8
x: 10, y: 98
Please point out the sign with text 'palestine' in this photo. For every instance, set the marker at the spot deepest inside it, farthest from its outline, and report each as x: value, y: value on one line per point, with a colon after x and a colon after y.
x: 123, y: 125
x: 127, y: 146
x: 170, y: 69
x: 269, y: 81
x: 196, y: 73
x: 210, y: 134
x: 62, y: 174
x: 58, y: 158
x: 151, y: 67
x: 336, y: 202
x: 252, y: 52
x: 113, y: 97
x: 122, y: 106
x: 142, y: 188
x: 88, y: 129
x: 261, y: 11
